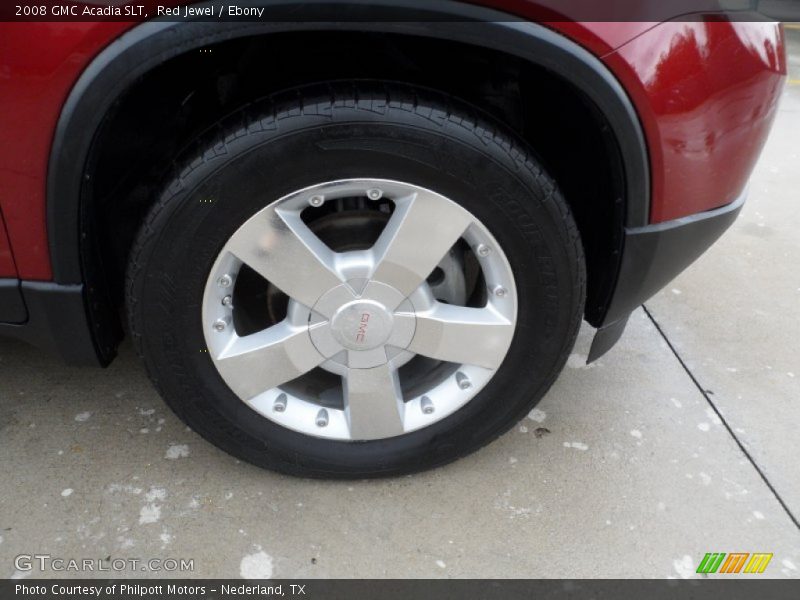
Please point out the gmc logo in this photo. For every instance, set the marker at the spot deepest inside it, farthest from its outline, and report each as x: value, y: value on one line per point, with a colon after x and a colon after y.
x: 361, y: 334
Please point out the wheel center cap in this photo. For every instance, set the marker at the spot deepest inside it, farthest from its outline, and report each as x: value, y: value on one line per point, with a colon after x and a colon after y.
x: 362, y: 325
x: 365, y: 329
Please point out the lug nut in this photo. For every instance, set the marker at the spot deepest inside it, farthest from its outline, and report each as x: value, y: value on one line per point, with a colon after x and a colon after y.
x: 225, y: 281
x: 322, y: 418
x: 280, y: 403
x: 316, y: 200
x: 227, y: 301
x: 463, y: 381
x: 219, y: 325
x: 483, y: 250
x: 426, y: 405
x: 500, y: 291
x: 374, y: 194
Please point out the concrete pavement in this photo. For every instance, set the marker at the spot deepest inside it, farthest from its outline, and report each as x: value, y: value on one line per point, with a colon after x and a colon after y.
x: 623, y: 471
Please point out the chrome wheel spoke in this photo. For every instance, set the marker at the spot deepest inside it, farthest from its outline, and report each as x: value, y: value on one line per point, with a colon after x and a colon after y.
x: 283, y: 250
x: 460, y: 334
x: 264, y: 360
x: 423, y: 227
x: 373, y: 403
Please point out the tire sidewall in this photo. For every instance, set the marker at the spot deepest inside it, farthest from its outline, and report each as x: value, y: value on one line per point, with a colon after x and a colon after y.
x: 267, y: 158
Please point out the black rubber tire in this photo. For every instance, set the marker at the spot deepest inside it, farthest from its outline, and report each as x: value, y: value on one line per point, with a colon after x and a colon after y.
x: 335, y: 131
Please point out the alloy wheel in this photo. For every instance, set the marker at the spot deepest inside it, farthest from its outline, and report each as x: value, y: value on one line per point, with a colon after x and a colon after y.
x: 371, y: 342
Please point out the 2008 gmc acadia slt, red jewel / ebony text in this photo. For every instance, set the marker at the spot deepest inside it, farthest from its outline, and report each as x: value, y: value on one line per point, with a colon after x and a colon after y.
x: 364, y: 247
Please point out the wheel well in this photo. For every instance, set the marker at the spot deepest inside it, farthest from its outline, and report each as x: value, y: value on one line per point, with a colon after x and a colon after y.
x: 164, y: 110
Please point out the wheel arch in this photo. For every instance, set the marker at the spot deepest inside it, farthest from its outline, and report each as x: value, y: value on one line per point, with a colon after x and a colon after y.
x: 146, y: 46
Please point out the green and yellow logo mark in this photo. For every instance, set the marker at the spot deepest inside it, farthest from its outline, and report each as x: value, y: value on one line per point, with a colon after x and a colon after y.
x: 716, y: 562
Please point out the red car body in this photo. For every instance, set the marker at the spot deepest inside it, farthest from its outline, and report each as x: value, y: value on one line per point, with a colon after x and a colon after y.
x: 704, y: 90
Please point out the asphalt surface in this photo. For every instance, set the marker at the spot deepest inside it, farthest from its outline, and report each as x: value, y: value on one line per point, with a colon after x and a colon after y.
x: 682, y: 440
